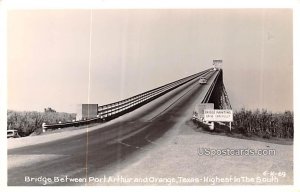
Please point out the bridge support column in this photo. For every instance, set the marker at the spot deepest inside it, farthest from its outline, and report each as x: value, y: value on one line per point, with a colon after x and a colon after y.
x: 219, y: 95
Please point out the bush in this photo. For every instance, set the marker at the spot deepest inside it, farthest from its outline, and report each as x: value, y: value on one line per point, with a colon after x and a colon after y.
x: 27, y: 122
x: 265, y: 124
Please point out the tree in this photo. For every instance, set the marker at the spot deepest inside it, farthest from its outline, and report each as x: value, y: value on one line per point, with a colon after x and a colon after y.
x: 49, y: 110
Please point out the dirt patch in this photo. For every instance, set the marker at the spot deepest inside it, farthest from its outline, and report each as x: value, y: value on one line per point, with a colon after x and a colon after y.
x: 176, y: 155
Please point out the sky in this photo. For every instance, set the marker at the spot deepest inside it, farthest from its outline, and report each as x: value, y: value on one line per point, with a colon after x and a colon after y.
x: 61, y: 58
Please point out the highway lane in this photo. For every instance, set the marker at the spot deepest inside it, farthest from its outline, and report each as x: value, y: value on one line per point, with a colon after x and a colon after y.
x: 105, y: 150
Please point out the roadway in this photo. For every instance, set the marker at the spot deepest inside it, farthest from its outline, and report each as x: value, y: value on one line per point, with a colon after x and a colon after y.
x: 108, y: 148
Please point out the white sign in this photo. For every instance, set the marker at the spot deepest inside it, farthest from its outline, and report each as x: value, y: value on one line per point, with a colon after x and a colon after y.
x: 218, y: 115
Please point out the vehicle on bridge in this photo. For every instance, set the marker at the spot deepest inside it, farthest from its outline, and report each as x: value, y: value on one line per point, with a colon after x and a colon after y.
x: 11, y: 133
x: 202, y: 80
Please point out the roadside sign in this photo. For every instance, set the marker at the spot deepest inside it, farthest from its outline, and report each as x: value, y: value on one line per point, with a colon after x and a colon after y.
x: 198, y: 113
x: 220, y: 115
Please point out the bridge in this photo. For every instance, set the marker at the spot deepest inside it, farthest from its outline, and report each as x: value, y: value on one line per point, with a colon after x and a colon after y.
x: 119, y: 133
x: 215, y: 92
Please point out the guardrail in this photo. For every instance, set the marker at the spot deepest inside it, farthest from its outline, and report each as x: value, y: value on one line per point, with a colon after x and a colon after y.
x: 116, y: 109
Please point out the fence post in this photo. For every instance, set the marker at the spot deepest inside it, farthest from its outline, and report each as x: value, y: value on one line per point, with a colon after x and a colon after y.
x: 43, y: 127
x: 212, y: 126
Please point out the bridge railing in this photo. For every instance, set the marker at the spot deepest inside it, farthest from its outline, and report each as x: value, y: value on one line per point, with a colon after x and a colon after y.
x: 113, y: 109
x: 116, y: 109
x: 211, y: 88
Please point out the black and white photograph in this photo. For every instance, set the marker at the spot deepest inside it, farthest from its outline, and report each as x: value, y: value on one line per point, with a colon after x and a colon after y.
x: 150, y: 97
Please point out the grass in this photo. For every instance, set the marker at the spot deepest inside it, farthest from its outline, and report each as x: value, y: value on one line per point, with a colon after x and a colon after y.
x: 254, y: 125
x: 30, y: 122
